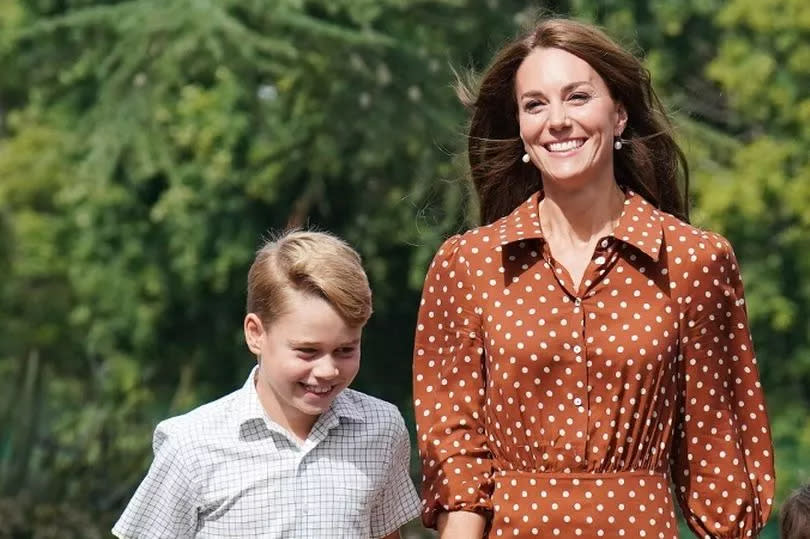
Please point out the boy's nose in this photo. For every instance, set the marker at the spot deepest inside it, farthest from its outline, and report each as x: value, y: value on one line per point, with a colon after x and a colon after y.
x: 326, y: 369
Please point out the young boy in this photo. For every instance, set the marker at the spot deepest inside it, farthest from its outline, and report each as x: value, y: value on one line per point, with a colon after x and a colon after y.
x: 293, y: 453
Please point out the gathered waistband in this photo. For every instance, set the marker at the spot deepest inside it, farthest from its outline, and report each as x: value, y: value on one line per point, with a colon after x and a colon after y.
x: 586, y: 476
x: 634, y: 503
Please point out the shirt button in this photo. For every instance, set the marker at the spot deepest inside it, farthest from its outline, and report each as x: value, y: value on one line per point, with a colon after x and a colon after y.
x: 577, y: 402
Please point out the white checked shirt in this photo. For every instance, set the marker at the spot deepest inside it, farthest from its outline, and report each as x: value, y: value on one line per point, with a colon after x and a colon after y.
x: 226, y: 470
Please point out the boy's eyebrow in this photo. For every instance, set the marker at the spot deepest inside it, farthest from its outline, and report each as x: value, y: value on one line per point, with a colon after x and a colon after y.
x: 315, y: 344
x: 310, y: 344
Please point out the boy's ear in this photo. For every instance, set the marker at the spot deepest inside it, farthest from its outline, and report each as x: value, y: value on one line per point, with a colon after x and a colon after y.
x: 254, y: 333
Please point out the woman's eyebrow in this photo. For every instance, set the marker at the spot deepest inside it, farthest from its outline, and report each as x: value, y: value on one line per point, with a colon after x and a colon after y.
x: 567, y: 88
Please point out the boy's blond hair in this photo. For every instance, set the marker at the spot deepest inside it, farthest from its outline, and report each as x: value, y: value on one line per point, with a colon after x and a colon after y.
x: 317, y: 263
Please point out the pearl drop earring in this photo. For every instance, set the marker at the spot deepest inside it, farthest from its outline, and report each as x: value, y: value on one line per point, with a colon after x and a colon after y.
x: 618, y: 144
x: 525, y: 158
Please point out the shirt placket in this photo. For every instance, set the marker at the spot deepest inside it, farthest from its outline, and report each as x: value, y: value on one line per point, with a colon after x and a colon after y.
x: 604, y: 257
x: 291, y: 452
x: 317, y: 435
x: 573, y: 345
x: 302, y: 503
x: 578, y: 396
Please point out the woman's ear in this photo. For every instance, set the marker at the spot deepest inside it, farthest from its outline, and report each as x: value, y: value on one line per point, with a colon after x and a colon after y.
x: 621, y: 119
x: 254, y: 333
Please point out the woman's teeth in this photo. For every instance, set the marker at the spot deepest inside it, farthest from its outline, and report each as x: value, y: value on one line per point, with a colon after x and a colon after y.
x: 564, y: 146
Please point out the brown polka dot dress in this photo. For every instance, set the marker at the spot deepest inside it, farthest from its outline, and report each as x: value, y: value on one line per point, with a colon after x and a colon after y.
x: 562, y: 412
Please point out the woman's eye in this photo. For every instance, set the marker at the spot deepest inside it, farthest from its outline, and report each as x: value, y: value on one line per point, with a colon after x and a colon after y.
x: 579, y: 97
x: 532, y: 105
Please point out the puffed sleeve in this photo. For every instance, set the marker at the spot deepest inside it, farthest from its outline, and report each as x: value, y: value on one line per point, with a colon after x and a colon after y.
x: 449, y: 382
x: 723, y: 465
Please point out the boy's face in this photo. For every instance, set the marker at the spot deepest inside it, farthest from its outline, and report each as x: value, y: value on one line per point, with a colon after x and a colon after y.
x: 306, y: 357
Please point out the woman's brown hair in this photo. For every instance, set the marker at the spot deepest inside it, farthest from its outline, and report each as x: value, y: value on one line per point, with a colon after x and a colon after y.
x: 795, y: 515
x: 651, y: 163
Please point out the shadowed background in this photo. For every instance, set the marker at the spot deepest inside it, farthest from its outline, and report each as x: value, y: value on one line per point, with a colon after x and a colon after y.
x: 147, y: 145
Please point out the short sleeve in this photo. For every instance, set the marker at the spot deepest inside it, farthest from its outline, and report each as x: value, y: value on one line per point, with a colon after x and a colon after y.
x: 723, y: 465
x: 398, y: 502
x: 449, y: 388
x: 165, y: 503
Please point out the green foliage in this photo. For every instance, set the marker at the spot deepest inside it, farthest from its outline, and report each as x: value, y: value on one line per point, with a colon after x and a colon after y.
x: 145, y: 146
x: 762, y: 203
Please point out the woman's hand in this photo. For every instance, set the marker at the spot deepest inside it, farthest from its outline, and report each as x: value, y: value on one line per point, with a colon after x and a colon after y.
x: 461, y: 525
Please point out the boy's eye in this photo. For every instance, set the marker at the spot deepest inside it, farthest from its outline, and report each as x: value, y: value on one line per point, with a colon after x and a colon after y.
x: 346, y: 350
x: 307, y: 351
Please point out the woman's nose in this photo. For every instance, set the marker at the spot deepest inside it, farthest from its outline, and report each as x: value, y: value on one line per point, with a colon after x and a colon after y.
x: 557, y: 116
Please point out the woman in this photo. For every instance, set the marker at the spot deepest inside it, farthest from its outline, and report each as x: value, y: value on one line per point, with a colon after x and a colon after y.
x: 585, y: 346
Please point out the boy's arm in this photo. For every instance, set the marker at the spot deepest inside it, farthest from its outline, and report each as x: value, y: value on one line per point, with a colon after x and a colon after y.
x: 398, y: 503
x: 165, y: 504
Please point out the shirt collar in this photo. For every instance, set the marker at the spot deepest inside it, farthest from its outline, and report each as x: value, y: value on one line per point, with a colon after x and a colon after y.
x: 250, y: 409
x: 344, y: 407
x: 639, y: 224
x: 522, y: 224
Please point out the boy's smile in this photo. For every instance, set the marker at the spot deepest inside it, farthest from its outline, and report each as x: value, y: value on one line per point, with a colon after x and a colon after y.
x: 318, y: 391
x: 307, y: 357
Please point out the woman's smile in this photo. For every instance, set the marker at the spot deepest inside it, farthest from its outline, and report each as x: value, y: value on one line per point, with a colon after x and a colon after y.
x: 565, y: 147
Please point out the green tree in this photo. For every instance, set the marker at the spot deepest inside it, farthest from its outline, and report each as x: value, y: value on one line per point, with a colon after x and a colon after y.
x: 163, y: 139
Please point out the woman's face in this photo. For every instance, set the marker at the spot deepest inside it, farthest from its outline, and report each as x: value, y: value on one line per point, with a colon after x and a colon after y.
x: 567, y: 119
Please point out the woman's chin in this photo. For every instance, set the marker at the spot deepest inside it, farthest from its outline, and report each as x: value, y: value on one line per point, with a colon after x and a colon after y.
x: 565, y: 179
x: 572, y: 175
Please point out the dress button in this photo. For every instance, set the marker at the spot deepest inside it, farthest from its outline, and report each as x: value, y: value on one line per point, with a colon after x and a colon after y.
x: 577, y: 402
x: 577, y: 349
x: 578, y: 302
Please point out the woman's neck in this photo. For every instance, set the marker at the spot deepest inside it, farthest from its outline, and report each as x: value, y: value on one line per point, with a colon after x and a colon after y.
x: 579, y: 218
